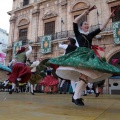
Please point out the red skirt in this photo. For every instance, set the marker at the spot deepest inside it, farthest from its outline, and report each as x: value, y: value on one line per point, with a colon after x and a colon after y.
x: 20, y: 70
x: 49, y: 81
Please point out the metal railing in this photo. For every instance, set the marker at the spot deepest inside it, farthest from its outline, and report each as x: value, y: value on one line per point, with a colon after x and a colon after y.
x: 66, y: 34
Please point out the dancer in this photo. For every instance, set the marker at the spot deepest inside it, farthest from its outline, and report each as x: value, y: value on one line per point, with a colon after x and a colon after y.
x: 49, y: 81
x: 68, y: 48
x: 83, y: 64
x: 20, y: 71
x: 36, y: 77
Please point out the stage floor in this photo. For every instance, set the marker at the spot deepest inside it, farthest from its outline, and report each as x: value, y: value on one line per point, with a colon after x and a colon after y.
x: 42, y: 106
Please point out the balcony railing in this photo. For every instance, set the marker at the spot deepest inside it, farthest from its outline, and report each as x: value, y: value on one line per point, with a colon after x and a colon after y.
x: 66, y: 34
x: 59, y: 35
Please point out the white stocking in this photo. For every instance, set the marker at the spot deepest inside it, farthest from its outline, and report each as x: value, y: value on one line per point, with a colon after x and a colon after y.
x: 79, y: 89
x: 13, y: 86
x: 31, y: 88
x: 62, y: 83
x: 35, y: 85
x: 73, y: 85
x: 96, y: 89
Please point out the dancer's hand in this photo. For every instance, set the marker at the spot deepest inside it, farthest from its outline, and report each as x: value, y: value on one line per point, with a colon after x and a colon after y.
x: 92, y: 8
x: 113, y: 13
x: 27, y: 46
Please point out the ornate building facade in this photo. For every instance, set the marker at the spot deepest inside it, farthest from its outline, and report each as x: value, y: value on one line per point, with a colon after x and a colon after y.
x: 31, y: 20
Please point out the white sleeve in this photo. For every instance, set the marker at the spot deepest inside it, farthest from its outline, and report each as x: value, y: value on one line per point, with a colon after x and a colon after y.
x: 9, y: 64
x: 76, y: 42
x: 33, y: 64
x: 29, y: 51
x: 63, y: 46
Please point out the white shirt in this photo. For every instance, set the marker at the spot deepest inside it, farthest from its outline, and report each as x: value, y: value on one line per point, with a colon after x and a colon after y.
x: 12, y: 62
x: 34, y: 65
x: 29, y: 51
x: 63, y: 46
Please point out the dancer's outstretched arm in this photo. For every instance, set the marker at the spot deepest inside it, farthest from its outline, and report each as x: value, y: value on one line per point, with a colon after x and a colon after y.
x: 29, y: 51
x: 86, y: 12
x: 107, y: 21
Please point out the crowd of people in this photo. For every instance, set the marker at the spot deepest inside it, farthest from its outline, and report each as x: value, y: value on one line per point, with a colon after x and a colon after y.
x: 77, y: 68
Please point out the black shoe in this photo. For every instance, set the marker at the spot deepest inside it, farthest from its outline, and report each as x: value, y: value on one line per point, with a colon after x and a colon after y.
x: 17, y: 91
x: 72, y: 99
x: 17, y: 83
x: 78, y: 102
x: 97, y: 94
x: 85, y: 95
x: 11, y: 91
x: 60, y: 90
x: 32, y: 93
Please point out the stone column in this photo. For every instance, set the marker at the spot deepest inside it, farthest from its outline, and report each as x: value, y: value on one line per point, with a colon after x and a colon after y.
x: 12, y: 30
x: 35, y: 23
x: 63, y: 15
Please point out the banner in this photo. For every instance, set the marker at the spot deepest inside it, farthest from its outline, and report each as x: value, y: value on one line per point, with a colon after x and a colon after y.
x: 116, y: 32
x: 46, y: 44
x: 17, y: 46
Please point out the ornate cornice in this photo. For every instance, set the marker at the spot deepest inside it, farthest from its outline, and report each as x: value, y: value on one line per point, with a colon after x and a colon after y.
x: 35, y: 12
x: 110, y: 1
x: 13, y: 19
x: 49, y: 14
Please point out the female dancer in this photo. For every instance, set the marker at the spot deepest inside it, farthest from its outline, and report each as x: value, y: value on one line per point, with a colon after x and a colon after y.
x: 83, y: 65
x: 36, y: 77
x: 20, y: 71
x: 49, y: 81
x: 68, y: 48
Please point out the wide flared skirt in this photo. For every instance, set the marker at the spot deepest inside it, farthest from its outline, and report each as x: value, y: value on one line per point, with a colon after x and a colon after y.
x: 20, y: 70
x: 35, y: 78
x: 4, y: 70
x: 49, y: 81
x: 83, y: 60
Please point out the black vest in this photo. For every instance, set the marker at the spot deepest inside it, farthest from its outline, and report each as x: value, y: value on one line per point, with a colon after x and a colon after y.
x: 70, y: 48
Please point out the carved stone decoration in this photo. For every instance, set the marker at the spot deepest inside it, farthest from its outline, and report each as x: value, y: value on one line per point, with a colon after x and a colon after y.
x: 80, y: 6
x: 49, y: 14
x: 109, y: 1
x: 24, y: 21
x: 13, y: 19
x: 35, y: 12
x: 63, y: 3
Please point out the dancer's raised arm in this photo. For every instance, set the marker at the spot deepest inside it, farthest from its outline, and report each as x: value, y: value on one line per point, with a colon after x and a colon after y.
x: 107, y: 21
x: 86, y: 12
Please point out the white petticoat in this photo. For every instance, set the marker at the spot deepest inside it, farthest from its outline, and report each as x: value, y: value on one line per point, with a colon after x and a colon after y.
x: 72, y: 73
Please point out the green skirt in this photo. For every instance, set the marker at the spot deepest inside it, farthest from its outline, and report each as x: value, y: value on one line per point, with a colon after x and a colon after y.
x: 83, y: 60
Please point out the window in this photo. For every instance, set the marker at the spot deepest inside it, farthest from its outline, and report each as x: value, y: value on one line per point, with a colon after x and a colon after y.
x: 49, y: 28
x: 25, y: 2
x: 23, y: 34
x: 117, y: 13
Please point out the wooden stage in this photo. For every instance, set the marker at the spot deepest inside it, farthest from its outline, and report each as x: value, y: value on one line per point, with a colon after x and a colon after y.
x: 42, y: 106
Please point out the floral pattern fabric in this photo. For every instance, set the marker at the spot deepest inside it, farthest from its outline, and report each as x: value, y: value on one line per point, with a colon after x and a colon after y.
x: 85, y: 58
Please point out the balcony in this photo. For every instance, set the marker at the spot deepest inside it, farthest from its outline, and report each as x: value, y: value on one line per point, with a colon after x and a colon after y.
x: 66, y: 34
